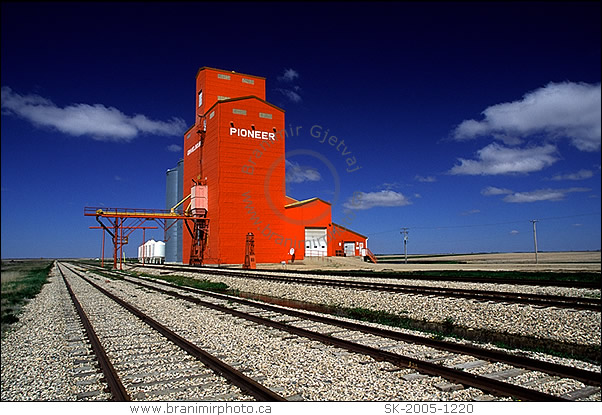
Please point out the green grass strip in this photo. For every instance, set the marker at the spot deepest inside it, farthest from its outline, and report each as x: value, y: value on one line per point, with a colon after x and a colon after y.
x: 16, y: 293
x: 189, y: 282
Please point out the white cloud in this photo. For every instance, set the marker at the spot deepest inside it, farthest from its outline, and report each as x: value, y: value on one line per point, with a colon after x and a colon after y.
x: 296, y: 173
x: 290, y: 94
x: 98, y: 121
x: 509, y: 140
x: 496, y: 159
x: 471, y: 212
x: 580, y: 175
x: 289, y: 75
x: 567, y: 109
x: 493, y: 191
x: 383, y: 198
x: 174, y: 147
x: 389, y: 186
x: 425, y: 179
x: 535, y: 196
x: 551, y: 195
x: 539, y: 195
x: 514, y: 232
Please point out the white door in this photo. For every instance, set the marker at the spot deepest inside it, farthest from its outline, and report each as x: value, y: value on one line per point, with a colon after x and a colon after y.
x: 349, y: 248
x: 315, y: 242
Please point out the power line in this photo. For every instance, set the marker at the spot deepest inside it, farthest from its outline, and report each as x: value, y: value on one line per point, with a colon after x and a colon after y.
x: 488, y: 224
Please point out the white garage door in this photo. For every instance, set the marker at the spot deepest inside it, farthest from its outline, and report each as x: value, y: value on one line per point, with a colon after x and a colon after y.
x: 315, y: 242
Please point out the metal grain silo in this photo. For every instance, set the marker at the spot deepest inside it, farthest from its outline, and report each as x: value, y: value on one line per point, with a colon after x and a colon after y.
x: 173, y: 194
x: 180, y: 225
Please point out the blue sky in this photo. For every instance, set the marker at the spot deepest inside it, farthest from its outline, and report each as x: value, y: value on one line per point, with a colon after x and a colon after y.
x: 468, y: 120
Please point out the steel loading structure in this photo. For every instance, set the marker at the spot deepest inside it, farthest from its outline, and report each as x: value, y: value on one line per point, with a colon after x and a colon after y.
x: 235, y: 154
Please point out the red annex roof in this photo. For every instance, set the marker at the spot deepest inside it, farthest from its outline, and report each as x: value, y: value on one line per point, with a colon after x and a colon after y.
x: 349, y: 230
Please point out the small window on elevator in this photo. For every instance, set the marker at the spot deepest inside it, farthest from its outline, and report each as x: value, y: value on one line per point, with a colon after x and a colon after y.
x: 200, y: 97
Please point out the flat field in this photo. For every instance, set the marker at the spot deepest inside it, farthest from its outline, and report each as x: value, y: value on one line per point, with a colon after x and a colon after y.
x: 546, y: 261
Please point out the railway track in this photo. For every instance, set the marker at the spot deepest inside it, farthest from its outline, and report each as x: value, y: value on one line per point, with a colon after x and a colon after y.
x: 422, y: 277
x: 149, y: 360
x: 115, y: 387
x: 374, y: 342
x: 543, y: 300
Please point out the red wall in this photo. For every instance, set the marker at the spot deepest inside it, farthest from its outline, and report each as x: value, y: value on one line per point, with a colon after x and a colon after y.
x: 251, y: 182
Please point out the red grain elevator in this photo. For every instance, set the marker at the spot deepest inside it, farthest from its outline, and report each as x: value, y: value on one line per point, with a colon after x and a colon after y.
x: 236, y: 148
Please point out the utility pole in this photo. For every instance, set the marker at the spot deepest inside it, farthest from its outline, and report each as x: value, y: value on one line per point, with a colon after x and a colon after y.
x: 534, y: 221
x: 404, y: 232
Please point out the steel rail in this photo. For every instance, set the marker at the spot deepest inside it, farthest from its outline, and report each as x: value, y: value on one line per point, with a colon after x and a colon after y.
x: 480, y: 295
x: 410, y: 276
x: 585, y: 376
x: 454, y: 375
x: 239, y: 379
x: 112, y: 378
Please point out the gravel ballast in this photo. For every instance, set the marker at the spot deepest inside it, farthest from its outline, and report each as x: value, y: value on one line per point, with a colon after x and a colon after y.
x: 39, y: 361
x: 571, y: 326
